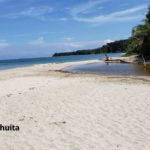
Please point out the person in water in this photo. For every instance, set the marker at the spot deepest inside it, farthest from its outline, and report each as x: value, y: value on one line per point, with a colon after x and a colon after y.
x: 107, y: 58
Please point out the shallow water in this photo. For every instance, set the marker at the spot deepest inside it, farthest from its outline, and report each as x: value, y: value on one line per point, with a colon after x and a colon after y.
x: 110, y: 68
x: 7, y: 64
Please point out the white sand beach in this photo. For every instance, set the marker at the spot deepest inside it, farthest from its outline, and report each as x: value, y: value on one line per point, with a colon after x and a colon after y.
x: 65, y: 111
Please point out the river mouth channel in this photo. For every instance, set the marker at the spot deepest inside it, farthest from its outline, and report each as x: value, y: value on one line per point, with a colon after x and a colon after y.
x: 110, y: 69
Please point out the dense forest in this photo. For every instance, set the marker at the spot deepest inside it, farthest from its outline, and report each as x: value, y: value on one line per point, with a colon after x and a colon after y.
x: 140, y: 40
x: 138, y: 43
x: 113, y: 47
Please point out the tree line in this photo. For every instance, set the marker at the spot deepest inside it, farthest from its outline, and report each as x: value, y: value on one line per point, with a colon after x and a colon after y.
x: 113, y: 47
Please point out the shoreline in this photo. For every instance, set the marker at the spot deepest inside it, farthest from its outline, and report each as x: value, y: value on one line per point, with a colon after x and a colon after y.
x: 57, y: 69
x: 39, y: 61
x: 32, y: 65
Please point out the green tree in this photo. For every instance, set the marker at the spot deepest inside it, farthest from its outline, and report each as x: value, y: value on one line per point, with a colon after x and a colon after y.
x: 140, y: 40
x: 148, y: 16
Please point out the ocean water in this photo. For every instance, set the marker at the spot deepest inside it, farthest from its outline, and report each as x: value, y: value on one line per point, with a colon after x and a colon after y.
x: 14, y: 63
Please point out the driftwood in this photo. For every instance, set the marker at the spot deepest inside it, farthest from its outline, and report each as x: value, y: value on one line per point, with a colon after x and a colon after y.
x: 132, y: 59
x: 115, y: 60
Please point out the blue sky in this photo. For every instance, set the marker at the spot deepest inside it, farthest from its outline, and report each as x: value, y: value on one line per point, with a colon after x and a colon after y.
x: 38, y: 28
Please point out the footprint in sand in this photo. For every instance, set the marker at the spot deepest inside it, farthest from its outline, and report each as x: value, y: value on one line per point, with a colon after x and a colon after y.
x: 32, y: 88
x: 9, y: 95
x: 22, y: 119
x: 58, y: 123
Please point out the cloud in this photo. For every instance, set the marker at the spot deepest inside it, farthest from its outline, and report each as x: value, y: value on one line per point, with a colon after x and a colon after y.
x: 67, y: 38
x: 68, y: 44
x: 107, y: 41
x: 63, y: 19
x: 3, y: 44
x: 123, y: 15
x: 34, y: 12
x: 85, y: 8
x: 39, y: 42
x: 74, y: 45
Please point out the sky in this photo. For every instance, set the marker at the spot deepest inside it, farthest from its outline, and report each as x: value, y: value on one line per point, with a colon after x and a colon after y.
x: 39, y: 28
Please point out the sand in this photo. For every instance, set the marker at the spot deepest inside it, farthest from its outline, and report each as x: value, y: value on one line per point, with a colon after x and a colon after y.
x: 65, y: 111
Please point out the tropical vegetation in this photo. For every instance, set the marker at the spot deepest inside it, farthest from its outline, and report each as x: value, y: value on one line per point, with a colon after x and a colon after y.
x: 140, y: 39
